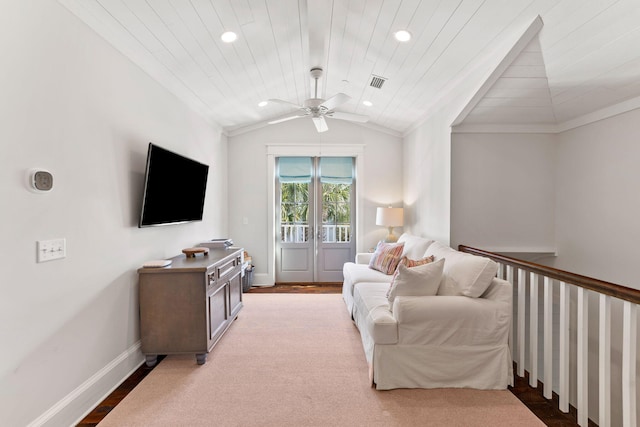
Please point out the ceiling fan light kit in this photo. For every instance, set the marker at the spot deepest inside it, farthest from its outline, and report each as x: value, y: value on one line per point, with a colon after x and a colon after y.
x: 318, y: 108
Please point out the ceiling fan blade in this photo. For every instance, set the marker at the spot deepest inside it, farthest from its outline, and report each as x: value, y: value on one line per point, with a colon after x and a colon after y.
x: 286, y: 117
x: 335, y: 101
x: 348, y: 116
x: 283, y: 102
x: 321, y: 124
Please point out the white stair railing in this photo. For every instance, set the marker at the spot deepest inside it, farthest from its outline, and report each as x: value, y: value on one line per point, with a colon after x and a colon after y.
x: 527, y: 279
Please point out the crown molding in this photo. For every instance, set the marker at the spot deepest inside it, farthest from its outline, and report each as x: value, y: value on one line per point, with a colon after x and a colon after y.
x: 505, y: 128
x: 239, y: 130
x: 381, y: 129
x: 586, y: 119
x: 602, y: 114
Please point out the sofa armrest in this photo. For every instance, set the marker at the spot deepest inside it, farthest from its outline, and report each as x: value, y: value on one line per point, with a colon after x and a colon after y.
x: 363, y: 257
x: 451, y: 320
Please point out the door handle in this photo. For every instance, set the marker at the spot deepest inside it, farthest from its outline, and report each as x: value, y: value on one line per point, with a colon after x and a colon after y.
x: 319, y: 233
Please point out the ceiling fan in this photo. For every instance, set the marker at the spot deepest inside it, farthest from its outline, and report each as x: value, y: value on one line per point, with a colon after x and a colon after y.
x: 318, y: 108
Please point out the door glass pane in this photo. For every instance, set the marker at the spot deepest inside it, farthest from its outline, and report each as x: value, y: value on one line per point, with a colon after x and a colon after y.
x: 336, y: 213
x: 294, y: 212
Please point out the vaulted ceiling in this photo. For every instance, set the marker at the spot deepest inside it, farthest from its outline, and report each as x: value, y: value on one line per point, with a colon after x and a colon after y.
x: 585, y: 58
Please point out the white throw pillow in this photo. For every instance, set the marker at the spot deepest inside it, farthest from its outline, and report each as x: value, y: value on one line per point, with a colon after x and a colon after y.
x: 464, y: 274
x: 422, y: 280
x: 414, y: 246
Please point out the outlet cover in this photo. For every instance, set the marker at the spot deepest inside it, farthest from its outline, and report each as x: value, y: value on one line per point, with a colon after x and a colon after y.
x: 48, y: 250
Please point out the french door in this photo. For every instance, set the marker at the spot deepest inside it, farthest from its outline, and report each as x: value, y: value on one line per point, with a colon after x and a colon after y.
x: 315, y: 199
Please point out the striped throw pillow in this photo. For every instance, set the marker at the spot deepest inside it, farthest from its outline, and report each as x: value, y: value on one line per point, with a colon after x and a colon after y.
x: 416, y: 262
x: 386, y: 257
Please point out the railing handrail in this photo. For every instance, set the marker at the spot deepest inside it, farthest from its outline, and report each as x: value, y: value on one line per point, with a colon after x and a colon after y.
x: 600, y: 286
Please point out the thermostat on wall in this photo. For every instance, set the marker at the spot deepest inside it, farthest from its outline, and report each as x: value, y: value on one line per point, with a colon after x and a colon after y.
x: 40, y: 180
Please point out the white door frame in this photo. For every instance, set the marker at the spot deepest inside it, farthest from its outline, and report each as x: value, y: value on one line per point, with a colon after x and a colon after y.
x: 312, y: 150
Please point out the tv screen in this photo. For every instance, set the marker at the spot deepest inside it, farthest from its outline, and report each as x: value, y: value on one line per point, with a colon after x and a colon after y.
x: 174, y: 188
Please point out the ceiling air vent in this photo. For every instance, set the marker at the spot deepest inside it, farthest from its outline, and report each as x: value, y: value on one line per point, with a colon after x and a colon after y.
x: 377, y: 81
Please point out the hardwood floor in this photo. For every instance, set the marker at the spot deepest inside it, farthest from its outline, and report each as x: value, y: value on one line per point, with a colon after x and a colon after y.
x: 544, y: 409
x: 307, y: 288
x: 116, y: 396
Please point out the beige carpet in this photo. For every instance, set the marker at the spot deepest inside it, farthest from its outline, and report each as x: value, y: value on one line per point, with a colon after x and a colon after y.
x: 297, y: 360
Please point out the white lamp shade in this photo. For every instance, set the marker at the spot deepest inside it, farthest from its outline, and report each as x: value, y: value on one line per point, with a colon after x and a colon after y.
x: 390, y: 217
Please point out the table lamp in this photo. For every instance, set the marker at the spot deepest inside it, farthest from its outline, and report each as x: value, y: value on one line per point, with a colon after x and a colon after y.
x: 390, y: 217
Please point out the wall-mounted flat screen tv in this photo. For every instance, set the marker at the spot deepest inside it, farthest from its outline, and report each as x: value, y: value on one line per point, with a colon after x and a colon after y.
x: 174, y: 188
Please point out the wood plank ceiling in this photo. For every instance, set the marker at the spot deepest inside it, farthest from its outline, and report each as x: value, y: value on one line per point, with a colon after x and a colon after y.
x: 587, y: 57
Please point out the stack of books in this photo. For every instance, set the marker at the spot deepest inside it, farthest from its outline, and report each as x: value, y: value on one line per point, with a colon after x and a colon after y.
x: 217, y: 243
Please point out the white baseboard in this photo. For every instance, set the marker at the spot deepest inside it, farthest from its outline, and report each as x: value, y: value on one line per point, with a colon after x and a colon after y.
x: 262, y: 280
x: 77, y: 404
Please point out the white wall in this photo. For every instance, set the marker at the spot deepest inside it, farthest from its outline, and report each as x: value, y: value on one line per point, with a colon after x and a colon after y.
x: 73, y: 105
x: 503, y: 191
x: 597, y: 199
x: 427, y: 179
x: 248, y: 176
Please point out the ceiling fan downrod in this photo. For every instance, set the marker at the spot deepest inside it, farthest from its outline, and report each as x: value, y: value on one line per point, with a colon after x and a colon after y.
x: 316, y: 73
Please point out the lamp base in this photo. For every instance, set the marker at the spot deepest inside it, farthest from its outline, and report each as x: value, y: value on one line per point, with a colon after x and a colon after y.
x: 391, y: 238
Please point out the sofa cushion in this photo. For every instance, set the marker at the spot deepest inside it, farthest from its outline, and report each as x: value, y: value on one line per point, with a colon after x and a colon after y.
x: 371, y: 312
x: 414, y: 246
x: 357, y: 273
x: 464, y: 274
x: 363, y: 257
x: 422, y: 280
x: 386, y: 257
x: 451, y: 321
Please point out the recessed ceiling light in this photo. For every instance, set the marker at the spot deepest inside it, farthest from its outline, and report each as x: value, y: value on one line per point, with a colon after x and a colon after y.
x: 228, y: 36
x: 262, y: 103
x: 367, y: 103
x: 402, y: 35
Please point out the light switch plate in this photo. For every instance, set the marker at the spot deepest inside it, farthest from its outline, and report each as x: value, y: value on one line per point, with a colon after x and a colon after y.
x: 48, y: 250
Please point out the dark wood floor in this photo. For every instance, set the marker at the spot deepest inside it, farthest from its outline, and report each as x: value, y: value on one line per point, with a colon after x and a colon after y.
x: 544, y: 409
x: 306, y: 288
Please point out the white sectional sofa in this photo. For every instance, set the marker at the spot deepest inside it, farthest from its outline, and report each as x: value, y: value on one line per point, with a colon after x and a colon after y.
x: 455, y: 338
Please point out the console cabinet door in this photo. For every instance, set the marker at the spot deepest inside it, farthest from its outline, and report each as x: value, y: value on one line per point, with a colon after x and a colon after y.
x: 235, y: 294
x: 218, y: 313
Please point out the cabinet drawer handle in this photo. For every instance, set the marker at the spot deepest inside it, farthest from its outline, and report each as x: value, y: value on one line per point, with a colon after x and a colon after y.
x: 225, y: 272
